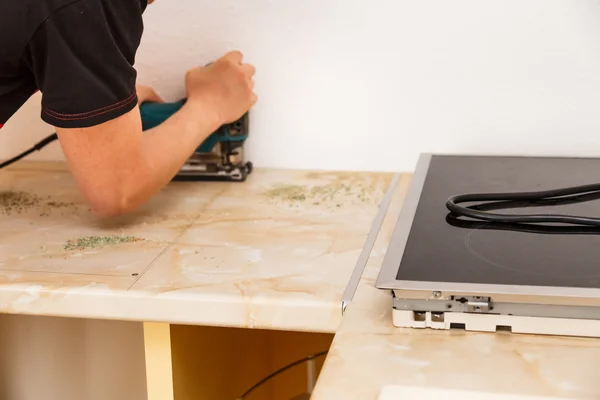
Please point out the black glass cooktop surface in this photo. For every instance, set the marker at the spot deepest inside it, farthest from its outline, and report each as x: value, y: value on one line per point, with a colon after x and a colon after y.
x: 442, y: 250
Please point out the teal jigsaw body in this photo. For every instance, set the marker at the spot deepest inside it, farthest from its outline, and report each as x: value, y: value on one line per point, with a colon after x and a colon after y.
x: 218, y: 156
x: 154, y: 114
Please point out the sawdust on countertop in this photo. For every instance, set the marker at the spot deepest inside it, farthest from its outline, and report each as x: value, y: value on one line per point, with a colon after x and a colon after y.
x: 60, y: 204
x: 18, y: 202
x: 336, y: 193
x: 68, y: 207
x: 95, y: 242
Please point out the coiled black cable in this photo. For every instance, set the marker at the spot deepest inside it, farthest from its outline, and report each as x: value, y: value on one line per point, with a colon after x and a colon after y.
x: 540, y: 198
x: 539, y: 229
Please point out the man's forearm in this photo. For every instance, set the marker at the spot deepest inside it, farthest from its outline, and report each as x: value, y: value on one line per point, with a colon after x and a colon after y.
x: 164, y: 149
x: 118, y: 167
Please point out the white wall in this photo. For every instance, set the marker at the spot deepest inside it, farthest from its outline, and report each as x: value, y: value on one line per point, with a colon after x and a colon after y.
x: 369, y: 84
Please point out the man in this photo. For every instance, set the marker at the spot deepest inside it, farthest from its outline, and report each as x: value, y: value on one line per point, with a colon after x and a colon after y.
x: 79, y: 54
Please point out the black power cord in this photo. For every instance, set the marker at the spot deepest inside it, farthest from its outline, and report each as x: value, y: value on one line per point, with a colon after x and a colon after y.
x: 279, y: 371
x: 522, y: 228
x: 527, y: 199
x: 37, y: 147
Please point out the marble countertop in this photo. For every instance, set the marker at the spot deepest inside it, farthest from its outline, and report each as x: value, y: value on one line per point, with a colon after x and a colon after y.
x: 274, y: 252
x: 369, y: 353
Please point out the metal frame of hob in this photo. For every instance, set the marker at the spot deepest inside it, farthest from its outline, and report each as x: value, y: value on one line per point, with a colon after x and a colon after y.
x: 480, y: 307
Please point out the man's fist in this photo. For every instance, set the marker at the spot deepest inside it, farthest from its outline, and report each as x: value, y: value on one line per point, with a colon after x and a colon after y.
x: 225, y: 87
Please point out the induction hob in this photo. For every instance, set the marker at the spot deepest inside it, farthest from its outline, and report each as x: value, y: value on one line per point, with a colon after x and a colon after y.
x: 447, y: 272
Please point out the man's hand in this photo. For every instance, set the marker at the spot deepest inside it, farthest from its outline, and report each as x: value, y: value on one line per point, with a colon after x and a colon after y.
x: 226, y: 86
x: 118, y: 167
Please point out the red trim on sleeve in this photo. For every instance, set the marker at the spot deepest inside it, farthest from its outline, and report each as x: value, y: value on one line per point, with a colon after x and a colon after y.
x: 94, y: 113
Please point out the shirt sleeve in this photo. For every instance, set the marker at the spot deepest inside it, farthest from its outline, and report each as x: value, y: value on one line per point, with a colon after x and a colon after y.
x: 82, y: 59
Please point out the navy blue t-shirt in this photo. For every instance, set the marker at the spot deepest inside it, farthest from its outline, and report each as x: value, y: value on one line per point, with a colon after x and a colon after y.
x: 78, y: 53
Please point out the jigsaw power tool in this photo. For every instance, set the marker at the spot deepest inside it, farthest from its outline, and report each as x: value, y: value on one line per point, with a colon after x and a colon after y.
x: 219, y: 157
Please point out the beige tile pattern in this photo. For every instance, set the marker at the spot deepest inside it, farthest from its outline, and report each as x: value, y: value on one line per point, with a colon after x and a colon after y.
x: 274, y: 252
x: 368, y: 352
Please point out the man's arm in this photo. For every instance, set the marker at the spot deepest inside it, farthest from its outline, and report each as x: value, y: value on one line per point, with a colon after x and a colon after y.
x: 82, y: 60
x: 118, y: 167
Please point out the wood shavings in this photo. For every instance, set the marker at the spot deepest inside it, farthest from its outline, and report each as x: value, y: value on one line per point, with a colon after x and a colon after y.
x: 95, y: 242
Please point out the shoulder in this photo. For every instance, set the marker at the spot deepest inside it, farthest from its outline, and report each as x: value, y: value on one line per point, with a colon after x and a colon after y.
x: 83, y: 60
x: 114, y: 9
x: 115, y: 14
x: 101, y: 22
